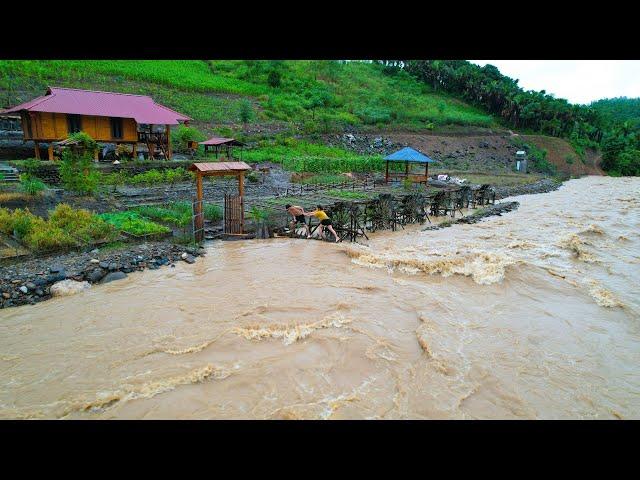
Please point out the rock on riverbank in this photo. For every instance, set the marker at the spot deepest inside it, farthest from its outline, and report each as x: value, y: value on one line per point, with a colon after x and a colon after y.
x: 30, y: 281
x: 543, y: 186
x: 475, y: 217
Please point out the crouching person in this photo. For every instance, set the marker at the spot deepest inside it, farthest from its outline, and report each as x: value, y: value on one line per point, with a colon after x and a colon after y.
x: 298, y: 215
x: 325, y: 221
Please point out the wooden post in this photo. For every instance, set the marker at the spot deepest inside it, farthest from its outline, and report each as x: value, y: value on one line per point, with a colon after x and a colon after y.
x: 37, y: 148
x: 96, y: 153
x: 150, y: 143
x: 50, y: 151
x: 134, y: 152
x: 426, y: 172
x: 199, y: 218
x: 386, y: 179
x: 241, y: 192
x: 169, y: 150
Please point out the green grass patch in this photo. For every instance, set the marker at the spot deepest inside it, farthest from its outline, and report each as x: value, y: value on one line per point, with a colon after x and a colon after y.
x: 347, y: 194
x: 134, y: 224
x: 150, y: 177
x: 300, y: 156
x: 319, y: 95
x: 177, y: 213
x: 325, y: 179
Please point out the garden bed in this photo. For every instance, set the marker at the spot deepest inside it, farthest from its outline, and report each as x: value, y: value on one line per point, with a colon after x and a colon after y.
x: 133, y: 225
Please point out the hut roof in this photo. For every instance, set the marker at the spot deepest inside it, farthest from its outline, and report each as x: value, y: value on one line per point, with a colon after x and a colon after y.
x: 101, y: 104
x: 222, y: 141
x: 408, y: 154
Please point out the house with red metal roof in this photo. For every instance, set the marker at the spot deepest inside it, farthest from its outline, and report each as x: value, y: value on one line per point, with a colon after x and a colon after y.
x: 106, y: 116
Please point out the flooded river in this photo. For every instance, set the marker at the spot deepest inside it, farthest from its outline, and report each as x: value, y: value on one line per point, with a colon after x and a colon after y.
x: 534, y: 314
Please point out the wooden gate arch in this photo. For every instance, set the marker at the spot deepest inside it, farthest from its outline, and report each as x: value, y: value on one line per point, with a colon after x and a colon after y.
x: 221, y: 169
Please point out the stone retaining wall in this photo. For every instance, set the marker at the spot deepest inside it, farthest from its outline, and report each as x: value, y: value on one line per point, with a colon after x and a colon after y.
x: 48, y: 171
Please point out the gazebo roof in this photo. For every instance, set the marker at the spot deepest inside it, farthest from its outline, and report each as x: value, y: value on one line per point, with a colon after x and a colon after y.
x: 408, y: 154
x: 218, y: 168
x: 222, y: 141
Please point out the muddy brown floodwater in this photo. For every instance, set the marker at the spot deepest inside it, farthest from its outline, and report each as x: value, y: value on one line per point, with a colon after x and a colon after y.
x: 534, y: 314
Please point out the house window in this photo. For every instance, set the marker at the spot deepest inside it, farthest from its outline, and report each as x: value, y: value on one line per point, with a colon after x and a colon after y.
x: 116, y: 128
x: 74, y: 123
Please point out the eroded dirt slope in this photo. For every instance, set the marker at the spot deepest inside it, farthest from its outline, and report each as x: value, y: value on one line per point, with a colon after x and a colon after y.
x: 561, y: 154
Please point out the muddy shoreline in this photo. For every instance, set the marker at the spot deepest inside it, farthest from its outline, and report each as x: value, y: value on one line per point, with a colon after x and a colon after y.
x: 29, y: 281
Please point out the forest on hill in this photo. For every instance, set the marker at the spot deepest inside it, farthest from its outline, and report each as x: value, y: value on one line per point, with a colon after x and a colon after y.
x: 600, y: 125
x: 319, y: 96
x: 621, y: 109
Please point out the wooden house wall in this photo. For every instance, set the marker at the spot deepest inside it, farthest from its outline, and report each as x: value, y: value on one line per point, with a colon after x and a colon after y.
x: 53, y: 126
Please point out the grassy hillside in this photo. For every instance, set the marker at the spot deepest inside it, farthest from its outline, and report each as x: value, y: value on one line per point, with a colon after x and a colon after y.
x: 316, y: 95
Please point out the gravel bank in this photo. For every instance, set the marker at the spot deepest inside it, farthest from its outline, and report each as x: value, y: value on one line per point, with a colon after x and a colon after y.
x: 30, y: 281
x: 543, y: 186
x: 488, y: 211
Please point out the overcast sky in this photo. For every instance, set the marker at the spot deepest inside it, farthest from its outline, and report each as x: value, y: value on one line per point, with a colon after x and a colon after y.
x: 579, y: 81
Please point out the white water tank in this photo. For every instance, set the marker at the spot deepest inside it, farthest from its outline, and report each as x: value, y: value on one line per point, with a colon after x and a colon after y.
x: 521, y: 161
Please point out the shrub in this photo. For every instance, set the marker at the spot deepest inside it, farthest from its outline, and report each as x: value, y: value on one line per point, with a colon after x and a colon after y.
x: 78, y: 172
x: 182, y: 135
x: 6, y: 221
x: 260, y: 214
x: 212, y: 212
x: 372, y: 115
x: 253, y: 176
x: 65, y: 228
x: 19, y: 221
x: 148, y: 177
x: 85, y: 141
x: 23, y: 221
x: 31, y: 166
x: 31, y: 185
x: 82, y: 224
x: 246, y: 111
x: 274, y: 79
x: 175, y: 175
x: 46, y: 238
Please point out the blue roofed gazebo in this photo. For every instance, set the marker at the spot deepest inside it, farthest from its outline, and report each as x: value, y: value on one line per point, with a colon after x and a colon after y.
x: 408, y: 156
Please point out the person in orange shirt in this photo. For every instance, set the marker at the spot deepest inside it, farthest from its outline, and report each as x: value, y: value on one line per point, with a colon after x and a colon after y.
x: 325, y: 221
